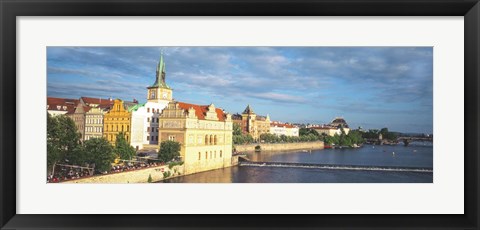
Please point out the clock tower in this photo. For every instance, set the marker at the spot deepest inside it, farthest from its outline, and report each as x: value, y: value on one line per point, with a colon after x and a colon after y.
x: 159, y: 92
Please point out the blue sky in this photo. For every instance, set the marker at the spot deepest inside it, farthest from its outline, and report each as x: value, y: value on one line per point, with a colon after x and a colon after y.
x: 371, y: 87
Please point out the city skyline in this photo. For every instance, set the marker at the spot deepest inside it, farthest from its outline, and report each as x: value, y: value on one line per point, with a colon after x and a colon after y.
x: 372, y: 87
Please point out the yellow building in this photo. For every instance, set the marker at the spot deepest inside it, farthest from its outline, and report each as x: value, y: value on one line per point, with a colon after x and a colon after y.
x: 117, y: 120
x: 204, y: 132
x: 251, y: 123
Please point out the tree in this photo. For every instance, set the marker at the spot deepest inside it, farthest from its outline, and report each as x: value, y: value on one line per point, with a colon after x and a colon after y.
x: 123, y: 150
x: 169, y: 150
x: 307, y: 131
x: 63, y: 139
x: 237, y: 130
x: 100, y: 152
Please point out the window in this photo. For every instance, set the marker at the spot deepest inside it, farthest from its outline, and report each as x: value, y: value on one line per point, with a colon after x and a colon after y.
x: 210, y: 154
x: 199, y: 155
x: 206, y: 139
x: 148, y: 119
x: 211, y: 140
x: 128, y: 127
x: 148, y: 138
x: 148, y: 110
x: 215, y: 140
x: 220, y: 153
x: 206, y: 155
x: 171, y: 138
x: 215, y: 154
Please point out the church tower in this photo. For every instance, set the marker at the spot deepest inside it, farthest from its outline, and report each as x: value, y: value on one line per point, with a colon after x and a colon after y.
x: 160, y: 92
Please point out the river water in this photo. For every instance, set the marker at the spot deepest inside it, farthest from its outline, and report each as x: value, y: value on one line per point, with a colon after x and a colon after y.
x: 416, y: 155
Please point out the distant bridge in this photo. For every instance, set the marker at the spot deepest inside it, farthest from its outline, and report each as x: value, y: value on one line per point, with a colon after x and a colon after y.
x: 407, y: 140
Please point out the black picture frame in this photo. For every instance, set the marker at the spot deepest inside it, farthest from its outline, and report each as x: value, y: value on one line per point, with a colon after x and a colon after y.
x: 10, y: 9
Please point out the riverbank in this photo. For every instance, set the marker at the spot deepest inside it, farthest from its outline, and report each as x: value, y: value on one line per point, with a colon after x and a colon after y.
x: 157, y: 173
x: 281, y: 146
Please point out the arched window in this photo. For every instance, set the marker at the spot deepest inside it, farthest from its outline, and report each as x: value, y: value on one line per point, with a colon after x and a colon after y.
x: 220, y: 153
x: 122, y: 128
x: 215, y: 140
x: 211, y: 140
x: 206, y: 155
x: 128, y: 127
x: 206, y: 139
x: 199, y: 155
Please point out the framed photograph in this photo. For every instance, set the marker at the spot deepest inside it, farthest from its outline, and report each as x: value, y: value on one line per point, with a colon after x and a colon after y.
x: 333, y: 111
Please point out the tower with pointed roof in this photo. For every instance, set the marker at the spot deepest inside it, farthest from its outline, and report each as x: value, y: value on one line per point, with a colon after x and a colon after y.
x: 159, y: 91
x: 252, y: 123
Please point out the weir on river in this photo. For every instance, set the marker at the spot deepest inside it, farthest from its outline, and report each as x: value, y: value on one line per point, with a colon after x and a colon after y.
x: 246, y: 162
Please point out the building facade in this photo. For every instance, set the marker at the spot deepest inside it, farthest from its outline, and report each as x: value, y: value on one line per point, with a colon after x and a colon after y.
x: 116, y: 120
x: 251, y: 123
x: 204, y: 132
x: 78, y: 116
x: 280, y: 129
x: 334, y: 127
x: 94, y: 122
x: 146, y: 117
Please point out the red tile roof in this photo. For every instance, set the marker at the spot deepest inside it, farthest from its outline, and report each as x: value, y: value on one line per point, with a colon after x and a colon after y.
x: 53, y: 102
x: 98, y: 101
x: 324, y: 127
x: 278, y: 124
x: 201, y: 110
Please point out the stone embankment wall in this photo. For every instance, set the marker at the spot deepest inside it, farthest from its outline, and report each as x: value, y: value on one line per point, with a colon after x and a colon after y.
x: 281, y: 146
x: 137, y: 176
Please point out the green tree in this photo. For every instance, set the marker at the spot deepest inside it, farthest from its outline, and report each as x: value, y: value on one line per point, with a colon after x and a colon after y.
x: 168, y: 150
x: 237, y: 130
x: 123, y: 150
x: 307, y: 131
x: 150, y: 180
x: 63, y: 139
x: 99, y: 152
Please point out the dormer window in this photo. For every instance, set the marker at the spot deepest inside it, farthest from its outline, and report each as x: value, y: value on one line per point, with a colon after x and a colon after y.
x: 64, y: 107
x: 58, y: 107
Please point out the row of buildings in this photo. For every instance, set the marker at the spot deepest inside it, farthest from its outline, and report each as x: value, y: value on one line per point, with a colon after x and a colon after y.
x: 204, y: 131
x: 256, y: 125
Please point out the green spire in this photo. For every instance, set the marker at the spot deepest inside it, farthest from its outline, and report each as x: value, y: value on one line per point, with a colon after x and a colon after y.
x: 160, y: 74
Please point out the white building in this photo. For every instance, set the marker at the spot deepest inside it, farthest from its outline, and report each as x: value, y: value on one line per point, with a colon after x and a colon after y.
x: 279, y: 129
x: 145, y: 117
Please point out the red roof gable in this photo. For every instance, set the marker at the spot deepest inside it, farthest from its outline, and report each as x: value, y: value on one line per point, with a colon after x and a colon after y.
x: 201, y: 110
